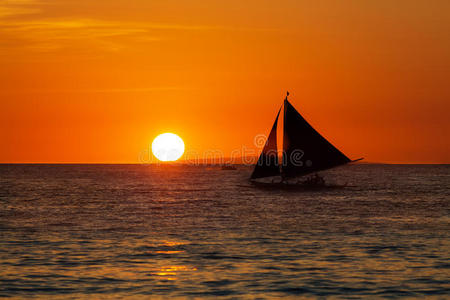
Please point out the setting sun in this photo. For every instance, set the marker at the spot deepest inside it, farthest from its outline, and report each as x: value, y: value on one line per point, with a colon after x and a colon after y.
x: 168, y: 147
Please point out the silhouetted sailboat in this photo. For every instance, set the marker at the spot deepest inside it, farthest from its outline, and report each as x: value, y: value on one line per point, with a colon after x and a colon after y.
x: 305, y: 151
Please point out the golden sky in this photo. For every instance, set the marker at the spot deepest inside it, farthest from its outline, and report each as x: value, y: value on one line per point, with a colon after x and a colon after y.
x: 96, y: 81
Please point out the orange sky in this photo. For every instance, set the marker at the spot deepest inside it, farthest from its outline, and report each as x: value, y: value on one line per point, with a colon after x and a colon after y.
x: 96, y: 81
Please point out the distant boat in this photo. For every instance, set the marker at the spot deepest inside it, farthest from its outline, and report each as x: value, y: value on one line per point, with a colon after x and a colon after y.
x: 305, y: 152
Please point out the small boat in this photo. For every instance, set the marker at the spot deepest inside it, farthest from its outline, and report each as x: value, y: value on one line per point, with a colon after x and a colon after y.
x: 228, y: 168
x: 305, y: 152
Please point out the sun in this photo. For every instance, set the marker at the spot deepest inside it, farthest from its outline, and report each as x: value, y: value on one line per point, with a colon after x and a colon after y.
x: 168, y: 147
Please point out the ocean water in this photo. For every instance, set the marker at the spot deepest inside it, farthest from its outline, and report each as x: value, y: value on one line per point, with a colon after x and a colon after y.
x: 135, y: 231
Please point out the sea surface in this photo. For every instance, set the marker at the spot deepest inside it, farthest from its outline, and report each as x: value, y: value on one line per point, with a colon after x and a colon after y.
x: 143, y: 231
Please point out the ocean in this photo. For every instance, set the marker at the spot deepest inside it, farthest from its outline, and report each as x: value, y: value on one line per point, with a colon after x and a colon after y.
x: 148, y: 231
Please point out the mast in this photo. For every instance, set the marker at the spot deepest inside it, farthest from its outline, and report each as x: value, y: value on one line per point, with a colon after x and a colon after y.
x: 284, y: 156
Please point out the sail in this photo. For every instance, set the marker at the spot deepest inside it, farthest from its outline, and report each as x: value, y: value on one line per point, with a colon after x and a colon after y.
x: 304, y: 149
x: 268, y: 160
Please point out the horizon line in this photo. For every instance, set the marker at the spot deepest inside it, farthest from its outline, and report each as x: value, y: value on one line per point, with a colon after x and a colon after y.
x: 198, y: 163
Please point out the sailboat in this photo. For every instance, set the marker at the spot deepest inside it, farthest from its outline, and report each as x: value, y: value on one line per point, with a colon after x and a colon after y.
x: 305, y: 152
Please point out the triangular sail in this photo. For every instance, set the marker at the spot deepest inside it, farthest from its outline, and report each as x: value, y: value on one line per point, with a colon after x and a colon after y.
x: 305, y: 151
x: 268, y: 160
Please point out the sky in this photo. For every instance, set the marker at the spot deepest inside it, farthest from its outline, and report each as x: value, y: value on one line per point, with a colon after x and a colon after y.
x: 85, y: 81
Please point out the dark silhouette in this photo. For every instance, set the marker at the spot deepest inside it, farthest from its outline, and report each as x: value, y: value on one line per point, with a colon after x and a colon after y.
x: 305, y: 151
x: 267, y: 164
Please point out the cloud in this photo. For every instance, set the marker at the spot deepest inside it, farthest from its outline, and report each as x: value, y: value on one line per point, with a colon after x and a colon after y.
x: 12, y: 8
x: 92, y: 91
x: 51, y: 35
x: 24, y: 29
x: 83, y: 35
